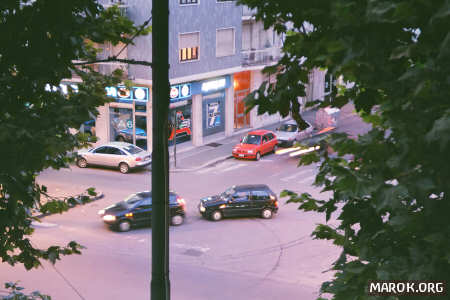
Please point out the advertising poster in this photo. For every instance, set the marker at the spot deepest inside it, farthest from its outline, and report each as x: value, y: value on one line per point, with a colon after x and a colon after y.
x: 213, y: 112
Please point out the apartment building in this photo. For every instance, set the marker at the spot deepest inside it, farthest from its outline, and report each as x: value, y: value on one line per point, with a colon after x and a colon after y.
x: 217, y: 53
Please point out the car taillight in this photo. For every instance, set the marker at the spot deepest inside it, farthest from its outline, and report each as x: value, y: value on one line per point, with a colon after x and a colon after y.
x: 138, y: 159
x: 181, y: 201
x: 276, y: 203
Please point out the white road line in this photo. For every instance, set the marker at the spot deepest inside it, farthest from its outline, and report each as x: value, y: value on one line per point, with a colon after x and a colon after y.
x: 184, y: 246
x: 298, y: 174
x: 231, y: 168
x: 306, y: 179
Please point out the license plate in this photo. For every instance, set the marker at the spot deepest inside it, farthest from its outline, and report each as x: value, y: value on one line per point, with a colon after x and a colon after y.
x: 241, y: 155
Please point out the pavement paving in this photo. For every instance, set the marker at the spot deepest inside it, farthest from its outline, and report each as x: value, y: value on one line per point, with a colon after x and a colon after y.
x: 191, y: 158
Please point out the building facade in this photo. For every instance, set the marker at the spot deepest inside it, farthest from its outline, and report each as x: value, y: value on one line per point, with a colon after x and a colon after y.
x: 217, y: 53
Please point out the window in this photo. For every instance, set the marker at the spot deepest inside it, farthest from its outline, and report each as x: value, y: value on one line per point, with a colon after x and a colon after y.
x: 102, y: 150
x: 225, y: 42
x: 189, y: 46
x: 116, y: 151
x: 260, y: 195
x: 188, y: 1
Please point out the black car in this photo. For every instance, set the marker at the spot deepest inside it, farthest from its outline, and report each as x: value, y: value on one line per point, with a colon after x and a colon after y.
x: 240, y: 200
x: 136, y: 210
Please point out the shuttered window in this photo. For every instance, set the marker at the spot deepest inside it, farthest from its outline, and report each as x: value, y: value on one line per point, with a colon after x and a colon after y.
x: 225, y: 42
x: 189, y: 45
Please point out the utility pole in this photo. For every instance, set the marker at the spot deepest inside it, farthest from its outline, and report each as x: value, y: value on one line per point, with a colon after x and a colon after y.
x: 160, y: 283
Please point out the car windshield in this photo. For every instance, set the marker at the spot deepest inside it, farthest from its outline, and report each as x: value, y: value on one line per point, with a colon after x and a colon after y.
x: 228, y: 192
x: 288, y: 128
x: 131, y: 200
x: 251, y: 139
x: 132, y: 149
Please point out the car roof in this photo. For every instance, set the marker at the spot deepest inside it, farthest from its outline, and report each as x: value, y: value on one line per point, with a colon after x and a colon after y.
x: 251, y: 187
x: 260, y: 132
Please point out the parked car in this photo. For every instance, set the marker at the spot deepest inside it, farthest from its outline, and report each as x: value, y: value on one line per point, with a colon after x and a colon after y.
x: 125, y: 156
x: 136, y: 210
x: 126, y: 135
x: 240, y: 200
x: 255, y: 144
x: 289, y: 133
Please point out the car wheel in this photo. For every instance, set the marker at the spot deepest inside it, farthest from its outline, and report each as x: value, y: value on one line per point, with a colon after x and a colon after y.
x: 82, y: 163
x: 266, y: 213
x: 177, y: 220
x: 124, y: 168
x: 216, y: 215
x: 258, y: 156
x: 124, y: 226
x: 275, y: 148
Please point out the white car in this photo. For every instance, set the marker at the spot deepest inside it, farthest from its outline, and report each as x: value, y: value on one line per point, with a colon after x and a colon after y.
x: 289, y: 133
x: 121, y: 155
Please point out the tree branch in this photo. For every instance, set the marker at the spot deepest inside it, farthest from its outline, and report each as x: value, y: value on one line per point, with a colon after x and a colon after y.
x: 115, y: 59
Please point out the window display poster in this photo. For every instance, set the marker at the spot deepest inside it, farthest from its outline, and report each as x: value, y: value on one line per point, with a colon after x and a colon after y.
x: 214, y: 114
x: 180, y: 117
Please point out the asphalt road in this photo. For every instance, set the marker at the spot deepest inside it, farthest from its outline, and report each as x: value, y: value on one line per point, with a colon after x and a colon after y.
x: 248, y: 258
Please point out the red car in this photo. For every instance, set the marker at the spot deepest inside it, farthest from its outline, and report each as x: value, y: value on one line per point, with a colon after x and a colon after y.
x: 255, y: 144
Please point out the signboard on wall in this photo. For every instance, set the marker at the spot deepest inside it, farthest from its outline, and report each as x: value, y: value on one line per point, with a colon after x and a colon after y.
x: 213, y: 115
x: 180, y: 92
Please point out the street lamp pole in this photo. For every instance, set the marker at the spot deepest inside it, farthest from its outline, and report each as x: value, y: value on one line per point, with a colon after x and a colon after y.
x: 160, y: 282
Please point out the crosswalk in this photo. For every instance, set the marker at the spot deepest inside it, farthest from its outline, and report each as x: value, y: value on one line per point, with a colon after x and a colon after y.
x: 275, y: 167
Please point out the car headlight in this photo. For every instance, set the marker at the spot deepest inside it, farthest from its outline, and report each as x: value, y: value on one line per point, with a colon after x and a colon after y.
x: 109, y: 218
x: 250, y: 151
x: 101, y: 212
x: 202, y: 208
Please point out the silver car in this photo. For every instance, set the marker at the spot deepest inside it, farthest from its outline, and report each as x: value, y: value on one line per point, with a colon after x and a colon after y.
x: 125, y: 156
x: 288, y: 133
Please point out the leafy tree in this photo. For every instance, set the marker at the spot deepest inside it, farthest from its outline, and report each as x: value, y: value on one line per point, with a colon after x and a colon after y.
x: 392, y: 198
x: 42, y: 43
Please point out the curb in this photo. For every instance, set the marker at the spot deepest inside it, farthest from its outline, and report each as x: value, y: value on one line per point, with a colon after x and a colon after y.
x: 207, y: 164
x: 99, y: 195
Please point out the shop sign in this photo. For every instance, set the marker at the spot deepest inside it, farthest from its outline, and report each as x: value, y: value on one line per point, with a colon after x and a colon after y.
x: 213, y: 114
x: 63, y: 88
x: 179, y: 92
x: 214, y: 85
x: 136, y: 93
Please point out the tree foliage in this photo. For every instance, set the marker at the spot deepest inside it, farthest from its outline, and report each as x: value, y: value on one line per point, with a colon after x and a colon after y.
x: 40, y: 42
x: 392, y: 199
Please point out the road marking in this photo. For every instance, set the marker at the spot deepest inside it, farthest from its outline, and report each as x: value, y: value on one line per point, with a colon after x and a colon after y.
x: 307, y: 178
x: 231, y: 168
x: 298, y: 174
x: 184, y: 246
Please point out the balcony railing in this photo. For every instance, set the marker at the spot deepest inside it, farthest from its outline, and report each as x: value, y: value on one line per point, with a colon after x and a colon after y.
x: 265, y: 56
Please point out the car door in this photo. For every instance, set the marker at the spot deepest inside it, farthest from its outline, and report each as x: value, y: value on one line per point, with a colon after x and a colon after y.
x: 258, y: 201
x: 116, y: 156
x: 266, y: 144
x: 272, y: 140
x: 238, y: 205
x: 99, y: 156
x: 142, y: 213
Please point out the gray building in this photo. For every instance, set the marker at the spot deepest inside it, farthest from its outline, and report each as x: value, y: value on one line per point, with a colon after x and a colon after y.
x: 216, y: 53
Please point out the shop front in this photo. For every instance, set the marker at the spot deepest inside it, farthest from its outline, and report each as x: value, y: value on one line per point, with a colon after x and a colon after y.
x: 241, y: 90
x: 180, y: 113
x: 128, y: 115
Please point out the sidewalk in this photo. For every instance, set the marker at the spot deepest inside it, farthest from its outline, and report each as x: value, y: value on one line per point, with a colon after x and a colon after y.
x: 215, y: 150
